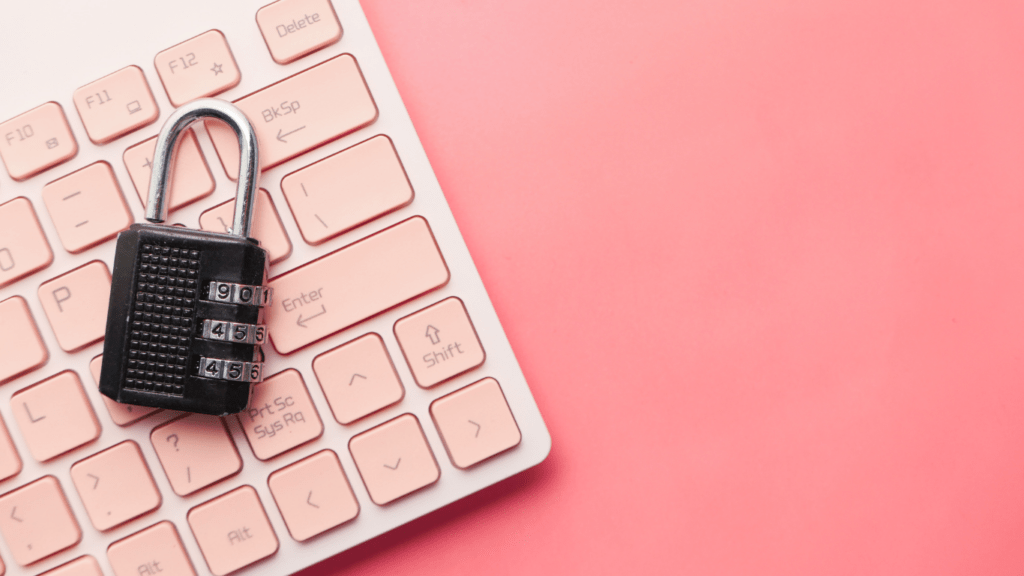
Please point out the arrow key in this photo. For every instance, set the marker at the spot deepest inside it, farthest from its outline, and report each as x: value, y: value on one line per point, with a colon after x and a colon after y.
x: 358, y: 378
x: 313, y: 495
x: 394, y: 459
x: 115, y: 485
x: 475, y: 423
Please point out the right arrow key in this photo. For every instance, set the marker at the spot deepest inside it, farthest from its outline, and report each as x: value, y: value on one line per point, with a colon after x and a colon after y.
x: 475, y: 423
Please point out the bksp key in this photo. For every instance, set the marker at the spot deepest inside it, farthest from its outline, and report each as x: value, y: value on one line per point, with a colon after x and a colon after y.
x: 185, y: 320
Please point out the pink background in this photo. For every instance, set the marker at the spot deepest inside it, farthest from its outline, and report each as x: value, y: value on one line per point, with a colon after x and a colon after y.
x: 761, y: 264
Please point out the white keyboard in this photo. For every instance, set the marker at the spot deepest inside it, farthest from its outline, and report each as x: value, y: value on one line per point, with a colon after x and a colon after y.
x: 391, y: 389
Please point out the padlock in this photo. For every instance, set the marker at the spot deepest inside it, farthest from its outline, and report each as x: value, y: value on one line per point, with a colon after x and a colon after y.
x: 185, y: 320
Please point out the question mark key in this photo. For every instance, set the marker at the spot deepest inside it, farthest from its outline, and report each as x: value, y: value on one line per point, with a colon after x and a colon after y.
x: 195, y: 451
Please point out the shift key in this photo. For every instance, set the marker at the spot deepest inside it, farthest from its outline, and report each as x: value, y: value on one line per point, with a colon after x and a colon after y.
x: 300, y: 113
x: 354, y: 283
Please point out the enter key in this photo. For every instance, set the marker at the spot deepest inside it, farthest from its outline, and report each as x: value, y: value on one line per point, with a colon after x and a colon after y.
x: 354, y: 283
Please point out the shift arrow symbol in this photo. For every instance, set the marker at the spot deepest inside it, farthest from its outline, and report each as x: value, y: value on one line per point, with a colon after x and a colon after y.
x: 281, y: 133
x: 432, y: 334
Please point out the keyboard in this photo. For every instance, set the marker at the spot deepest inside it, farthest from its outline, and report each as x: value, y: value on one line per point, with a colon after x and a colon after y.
x: 390, y: 388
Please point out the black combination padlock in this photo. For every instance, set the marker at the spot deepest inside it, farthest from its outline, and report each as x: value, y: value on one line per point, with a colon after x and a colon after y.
x: 185, y: 322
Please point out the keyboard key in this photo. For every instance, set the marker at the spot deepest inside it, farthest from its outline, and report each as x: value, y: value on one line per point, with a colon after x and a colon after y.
x: 358, y: 378
x: 300, y: 113
x: 36, y: 521
x: 81, y: 566
x: 86, y: 207
x: 394, y: 459
x: 475, y: 423
x: 266, y: 225
x: 347, y: 189
x: 294, y: 28
x: 36, y: 140
x: 115, y: 485
x: 23, y: 246
x: 121, y: 414
x: 10, y: 462
x: 155, y: 551
x: 76, y: 305
x: 55, y: 416
x: 281, y: 415
x: 191, y: 179
x: 116, y: 105
x: 313, y: 495
x: 198, y: 67
x: 439, y: 342
x: 351, y: 284
x: 233, y: 530
x: 21, y: 347
x: 195, y: 452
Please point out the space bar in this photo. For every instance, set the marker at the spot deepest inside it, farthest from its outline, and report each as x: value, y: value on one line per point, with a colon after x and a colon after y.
x: 349, y: 285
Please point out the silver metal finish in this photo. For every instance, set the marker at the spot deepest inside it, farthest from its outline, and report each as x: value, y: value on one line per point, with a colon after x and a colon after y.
x: 234, y: 370
x: 236, y: 332
x: 166, y: 150
x: 241, y: 294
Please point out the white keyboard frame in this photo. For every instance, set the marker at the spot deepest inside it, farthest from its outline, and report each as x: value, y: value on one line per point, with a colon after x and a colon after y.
x: 50, y: 49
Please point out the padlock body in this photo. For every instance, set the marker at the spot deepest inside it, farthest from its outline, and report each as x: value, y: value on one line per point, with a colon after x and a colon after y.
x: 175, y: 292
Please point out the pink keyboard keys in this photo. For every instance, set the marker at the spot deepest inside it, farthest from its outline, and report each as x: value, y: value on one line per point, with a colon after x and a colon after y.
x: 23, y: 246
x: 191, y: 179
x: 36, y: 140
x: 115, y: 485
x: 233, y: 531
x: 439, y: 342
x: 36, y: 521
x: 354, y: 283
x: 347, y: 189
x: 394, y: 459
x: 54, y: 416
x: 475, y: 423
x: 294, y: 28
x: 121, y: 414
x: 76, y: 305
x: 10, y: 462
x: 313, y: 495
x: 266, y: 227
x: 21, y: 347
x: 155, y: 551
x: 195, y: 452
x: 358, y: 378
x: 116, y: 105
x: 300, y: 113
x: 281, y: 415
x: 81, y: 566
x: 198, y: 67
x: 86, y: 207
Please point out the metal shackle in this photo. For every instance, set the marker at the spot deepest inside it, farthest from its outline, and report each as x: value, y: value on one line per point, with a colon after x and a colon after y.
x: 166, y: 150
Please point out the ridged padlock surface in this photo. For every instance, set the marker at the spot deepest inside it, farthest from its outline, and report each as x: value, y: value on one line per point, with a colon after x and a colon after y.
x: 185, y: 322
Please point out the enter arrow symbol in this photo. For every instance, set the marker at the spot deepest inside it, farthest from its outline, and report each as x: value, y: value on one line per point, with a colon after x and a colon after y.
x: 308, y: 498
x: 96, y: 483
x: 432, y: 334
x: 302, y: 321
x: 477, y: 428
x: 354, y: 376
x: 281, y: 134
